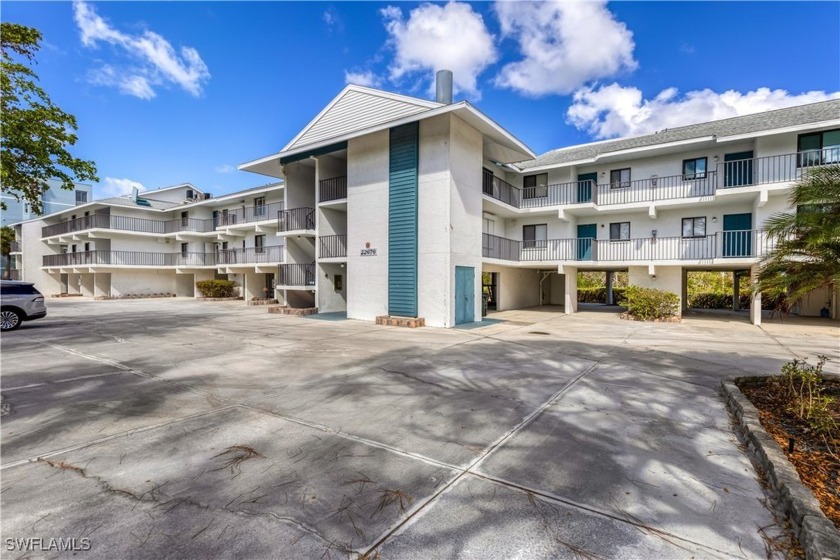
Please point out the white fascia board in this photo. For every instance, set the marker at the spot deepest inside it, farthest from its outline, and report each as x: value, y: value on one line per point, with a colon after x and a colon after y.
x: 361, y: 89
x: 473, y: 116
x: 773, y: 131
x: 621, y: 153
x: 178, y: 186
x: 228, y: 197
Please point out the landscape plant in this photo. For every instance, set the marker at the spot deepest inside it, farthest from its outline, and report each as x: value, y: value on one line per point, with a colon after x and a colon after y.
x: 35, y: 132
x: 216, y: 288
x: 806, y: 242
x: 649, y: 304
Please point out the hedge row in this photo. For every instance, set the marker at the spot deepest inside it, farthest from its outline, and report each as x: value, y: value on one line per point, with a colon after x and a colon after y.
x: 599, y: 295
x: 724, y: 301
x: 216, y: 288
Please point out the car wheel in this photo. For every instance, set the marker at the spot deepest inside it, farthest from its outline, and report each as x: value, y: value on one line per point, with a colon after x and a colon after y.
x: 10, y: 319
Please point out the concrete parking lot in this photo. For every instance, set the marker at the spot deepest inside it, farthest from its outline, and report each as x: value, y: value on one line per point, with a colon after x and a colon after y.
x: 175, y: 428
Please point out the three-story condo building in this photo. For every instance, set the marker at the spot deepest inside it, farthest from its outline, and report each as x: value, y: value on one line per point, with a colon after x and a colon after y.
x: 389, y: 205
x: 398, y: 206
x: 157, y: 242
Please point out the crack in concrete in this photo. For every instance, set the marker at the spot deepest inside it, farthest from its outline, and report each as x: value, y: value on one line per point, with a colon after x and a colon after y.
x: 154, y: 495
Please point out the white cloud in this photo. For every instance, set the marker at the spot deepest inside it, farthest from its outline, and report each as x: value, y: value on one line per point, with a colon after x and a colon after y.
x: 130, y: 84
x: 111, y: 186
x: 564, y: 45
x: 612, y: 111
x: 363, y: 78
x: 224, y: 168
x: 434, y: 37
x: 159, y: 63
x: 333, y: 19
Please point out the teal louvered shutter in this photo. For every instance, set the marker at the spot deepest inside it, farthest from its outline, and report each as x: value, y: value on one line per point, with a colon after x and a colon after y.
x: 402, y: 220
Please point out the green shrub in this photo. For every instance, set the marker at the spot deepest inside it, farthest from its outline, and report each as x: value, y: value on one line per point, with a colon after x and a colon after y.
x: 805, y: 387
x: 647, y: 304
x: 711, y: 300
x: 216, y: 288
x: 599, y: 295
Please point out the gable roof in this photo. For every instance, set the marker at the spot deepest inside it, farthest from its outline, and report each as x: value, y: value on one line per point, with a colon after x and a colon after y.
x: 720, y: 130
x: 358, y: 108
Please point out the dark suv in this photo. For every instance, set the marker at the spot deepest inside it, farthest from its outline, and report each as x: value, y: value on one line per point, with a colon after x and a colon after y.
x: 19, y: 301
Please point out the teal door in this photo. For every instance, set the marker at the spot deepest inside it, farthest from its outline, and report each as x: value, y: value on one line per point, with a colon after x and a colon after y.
x: 737, y: 235
x: 464, y: 294
x: 738, y: 169
x: 586, y: 235
x: 585, y: 183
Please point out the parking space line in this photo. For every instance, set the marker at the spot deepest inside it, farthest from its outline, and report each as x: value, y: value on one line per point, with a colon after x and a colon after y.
x: 58, y: 381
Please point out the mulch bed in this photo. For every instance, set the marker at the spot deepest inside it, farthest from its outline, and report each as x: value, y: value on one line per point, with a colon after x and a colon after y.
x: 816, y: 457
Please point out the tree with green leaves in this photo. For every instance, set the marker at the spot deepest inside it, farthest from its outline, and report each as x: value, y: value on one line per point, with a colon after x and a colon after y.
x: 7, y: 236
x: 806, y: 255
x: 35, y: 132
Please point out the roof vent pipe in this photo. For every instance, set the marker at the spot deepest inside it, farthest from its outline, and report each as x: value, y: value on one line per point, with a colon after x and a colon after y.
x: 443, y: 81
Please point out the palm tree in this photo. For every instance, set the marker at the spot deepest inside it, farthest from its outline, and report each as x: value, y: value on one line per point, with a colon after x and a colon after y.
x: 806, y: 255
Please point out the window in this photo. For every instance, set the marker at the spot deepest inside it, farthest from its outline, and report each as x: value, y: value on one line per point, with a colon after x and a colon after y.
x: 338, y: 284
x: 536, y: 186
x: 694, y: 227
x: 694, y: 168
x: 185, y: 248
x: 620, y: 231
x: 534, y: 236
x: 259, y: 206
x: 81, y: 197
x: 185, y: 219
x: 488, y: 226
x: 259, y: 243
x: 819, y: 148
x: 87, y: 247
x: 190, y: 194
x: 620, y: 178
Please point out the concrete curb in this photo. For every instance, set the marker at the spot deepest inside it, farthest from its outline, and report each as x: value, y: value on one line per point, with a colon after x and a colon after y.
x: 817, y: 534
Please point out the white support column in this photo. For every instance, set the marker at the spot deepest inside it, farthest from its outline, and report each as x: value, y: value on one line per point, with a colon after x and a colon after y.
x: 570, y: 296
x: 755, y: 300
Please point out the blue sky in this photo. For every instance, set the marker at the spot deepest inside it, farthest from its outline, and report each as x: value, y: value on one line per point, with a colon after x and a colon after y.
x: 184, y: 91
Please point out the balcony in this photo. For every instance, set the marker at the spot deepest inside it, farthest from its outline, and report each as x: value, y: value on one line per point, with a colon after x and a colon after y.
x: 332, y: 246
x: 15, y: 248
x: 296, y: 219
x: 14, y: 274
x: 110, y: 258
x: 296, y: 275
x: 746, y: 244
x: 248, y: 214
x: 502, y: 191
x: 188, y: 225
x: 773, y: 169
x: 250, y: 255
x: 332, y: 189
x: 127, y: 223
x: 729, y: 174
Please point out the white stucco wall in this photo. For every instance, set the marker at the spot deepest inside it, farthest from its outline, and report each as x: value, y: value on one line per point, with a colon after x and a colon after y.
x: 138, y: 282
x: 667, y: 278
x: 433, y: 229
x: 329, y: 298
x: 367, y: 222
x: 517, y: 287
x: 300, y: 185
x: 466, y: 145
